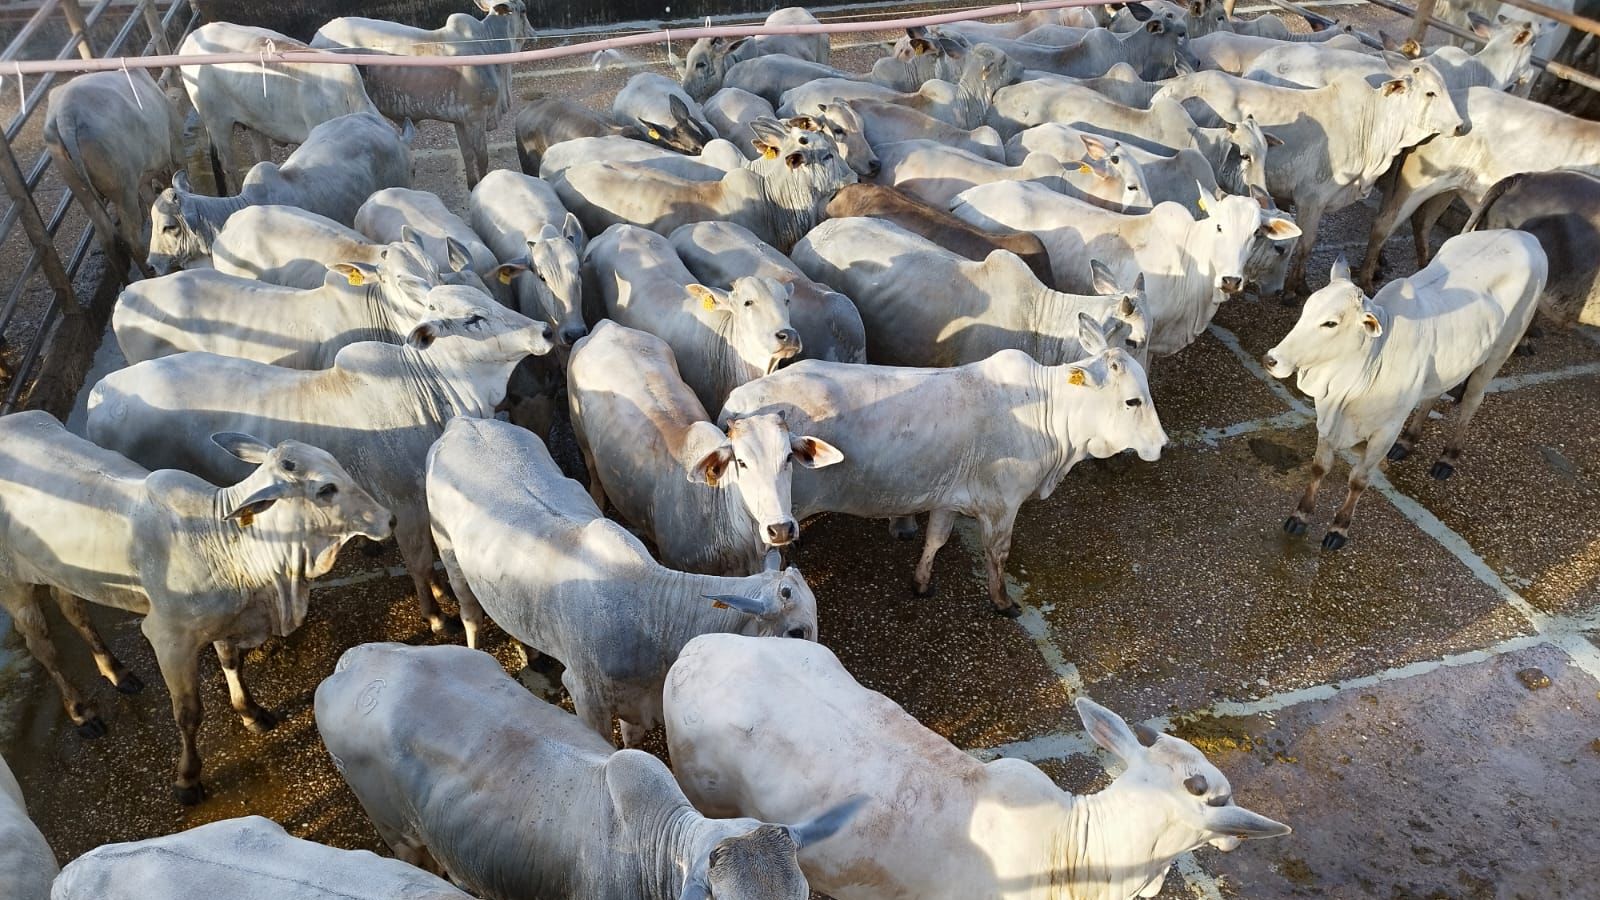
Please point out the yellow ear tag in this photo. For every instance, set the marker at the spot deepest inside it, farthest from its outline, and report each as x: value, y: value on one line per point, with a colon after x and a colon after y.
x: 769, y: 152
x: 1201, y: 202
x: 655, y: 135
x: 1076, y: 377
x: 1084, y: 169
x: 708, y: 302
x: 355, y: 278
x: 505, y: 276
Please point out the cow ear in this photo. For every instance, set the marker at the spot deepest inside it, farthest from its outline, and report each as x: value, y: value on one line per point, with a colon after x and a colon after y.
x: 804, y: 122
x: 1105, y: 282
x: 696, y: 885
x: 1279, y: 229
x: 653, y: 131
x: 1411, y: 49
x: 354, y: 274
x: 1394, y: 86
x: 1139, y: 11
x: 1091, y: 337
x: 1236, y: 821
x: 1138, y: 284
x: 180, y: 182
x: 423, y: 336
x: 1094, y: 148
x: 1155, y: 26
x: 504, y: 272
x: 458, y: 254
x: 679, y: 110
x: 1126, y: 307
x: 1271, y: 139
x: 711, y: 467
x: 1200, y: 201
x: 259, y: 502
x: 1108, y: 729
x: 814, y: 453
x: 794, y: 160
x: 1340, y: 270
x: 1371, y: 325
x: 408, y: 235
x: 827, y: 824
x: 709, y: 298
x: 572, y: 230
x: 243, y: 446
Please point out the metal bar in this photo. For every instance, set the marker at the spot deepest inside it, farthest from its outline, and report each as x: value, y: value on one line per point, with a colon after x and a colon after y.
x: 17, y: 187
x: 32, y: 180
x: 37, y: 95
x: 78, y: 26
x: 40, y: 16
x: 32, y: 265
x: 1308, y: 15
x: 157, y: 29
x: 1582, y: 23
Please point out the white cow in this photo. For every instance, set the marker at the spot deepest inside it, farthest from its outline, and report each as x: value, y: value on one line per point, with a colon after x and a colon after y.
x: 527, y: 545
x: 1367, y: 362
x: 764, y: 727
x: 981, y: 307
x: 911, y: 442
x: 420, y: 217
x: 279, y: 101
x: 710, y: 500
x: 245, y: 857
x: 203, y: 565
x: 584, y: 821
x: 708, y: 59
x: 342, y: 162
x: 25, y: 856
x: 472, y: 98
x: 936, y: 174
x: 523, y: 222
x: 380, y: 406
x: 655, y: 102
x: 884, y: 123
x: 1191, y: 264
x: 720, y: 338
x: 716, y: 159
x: 721, y: 253
x: 964, y: 104
x: 1325, y: 164
x: 1233, y: 53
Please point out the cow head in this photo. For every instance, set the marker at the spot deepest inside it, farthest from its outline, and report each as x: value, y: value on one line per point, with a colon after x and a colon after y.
x: 754, y: 317
x: 1422, y: 106
x: 462, y: 323
x: 1177, y: 800
x: 922, y: 55
x: 762, y: 864
x: 776, y: 603
x: 986, y: 70
x: 707, y: 64
x: 1114, y: 175
x: 684, y: 133
x: 1250, y: 146
x: 756, y: 459
x: 551, y: 286
x: 305, y: 505
x: 839, y: 121
x: 176, y: 238
x: 1337, y: 322
x: 1126, y: 322
x: 514, y: 13
x: 1109, y: 399
x: 1227, y: 230
x: 1268, y: 264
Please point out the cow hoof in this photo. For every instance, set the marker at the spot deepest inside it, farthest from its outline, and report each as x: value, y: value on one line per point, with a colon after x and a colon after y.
x: 447, y: 625
x: 1294, y: 525
x: 261, y: 722
x: 903, y: 528
x: 1011, y: 611
x: 1441, y: 470
x: 1334, y: 540
x: 1398, y: 452
x: 191, y: 795
x: 129, y: 683
x: 92, y: 728
x: 925, y: 592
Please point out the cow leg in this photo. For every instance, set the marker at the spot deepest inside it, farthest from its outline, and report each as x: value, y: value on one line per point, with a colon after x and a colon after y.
x: 1360, y: 475
x: 633, y: 735
x: 261, y: 144
x: 76, y: 612
x: 1471, y: 399
x: 472, y: 616
x: 178, y: 657
x: 1408, y: 438
x: 21, y: 602
x: 416, y: 548
x: 587, y: 705
x: 1320, y: 464
x: 903, y: 528
x: 1422, y: 222
x: 1308, y: 215
x: 1398, y: 205
x: 130, y: 228
x: 220, y: 132
x: 469, y: 154
x: 254, y: 717
x: 89, y: 200
x: 940, y: 522
x: 597, y: 491
x: 995, y: 535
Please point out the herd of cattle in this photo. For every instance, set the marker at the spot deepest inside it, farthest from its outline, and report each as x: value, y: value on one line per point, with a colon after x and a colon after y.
x: 773, y: 290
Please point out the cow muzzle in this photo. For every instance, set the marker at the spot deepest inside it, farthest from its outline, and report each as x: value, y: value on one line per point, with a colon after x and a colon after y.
x: 571, y: 334
x: 782, y: 534
x: 1275, y: 366
x: 1232, y: 285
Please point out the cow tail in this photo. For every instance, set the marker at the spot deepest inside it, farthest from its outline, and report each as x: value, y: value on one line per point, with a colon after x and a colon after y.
x: 66, y: 145
x: 1499, y: 188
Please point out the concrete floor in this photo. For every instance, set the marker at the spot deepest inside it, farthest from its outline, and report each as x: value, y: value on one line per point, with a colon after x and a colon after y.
x: 1378, y: 699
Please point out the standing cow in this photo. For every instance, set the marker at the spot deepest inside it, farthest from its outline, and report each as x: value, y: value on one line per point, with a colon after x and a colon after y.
x: 583, y: 821
x: 1367, y: 362
x: 527, y: 545
x: 522, y: 220
x: 203, y: 565
x: 977, y: 440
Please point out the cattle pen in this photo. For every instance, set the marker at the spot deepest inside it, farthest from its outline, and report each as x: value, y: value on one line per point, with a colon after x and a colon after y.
x: 1423, y: 708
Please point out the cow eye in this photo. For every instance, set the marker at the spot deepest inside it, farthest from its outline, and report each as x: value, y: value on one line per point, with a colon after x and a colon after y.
x: 1219, y: 228
x: 288, y: 465
x: 1431, y: 95
x: 1245, y: 157
x: 749, y: 303
x: 1133, y: 403
x: 328, y: 490
x: 838, y: 133
x: 1331, y: 324
x: 169, y: 229
x: 474, y: 320
x: 784, y: 592
x: 741, y: 464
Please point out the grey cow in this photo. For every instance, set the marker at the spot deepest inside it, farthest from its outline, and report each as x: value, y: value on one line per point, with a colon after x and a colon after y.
x: 654, y: 102
x: 421, y: 219
x: 111, y: 134
x: 247, y: 857
x: 584, y: 821
x: 721, y: 338
x: 526, y: 545
x: 523, y: 222
x: 720, y: 253
x: 911, y: 444
x: 203, y: 565
x: 711, y: 501
x: 981, y: 307
x: 380, y: 406
x: 709, y: 58
x: 339, y: 166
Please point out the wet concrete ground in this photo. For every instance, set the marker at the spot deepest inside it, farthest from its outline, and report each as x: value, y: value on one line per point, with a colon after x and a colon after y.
x: 1371, y: 698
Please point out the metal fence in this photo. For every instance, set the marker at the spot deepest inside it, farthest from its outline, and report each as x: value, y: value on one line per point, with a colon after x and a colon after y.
x: 45, y: 327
